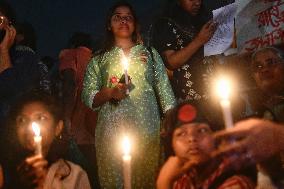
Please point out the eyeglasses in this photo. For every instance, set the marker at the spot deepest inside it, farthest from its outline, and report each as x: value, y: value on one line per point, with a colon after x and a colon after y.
x: 269, y: 63
x: 118, y: 18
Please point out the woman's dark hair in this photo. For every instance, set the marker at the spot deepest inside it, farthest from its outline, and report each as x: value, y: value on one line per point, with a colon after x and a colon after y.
x: 109, y: 37
x: 51, y: 103
x: 14, y: 153
x: 29, y: 34
x: 7, y: 10
x: 80, y: 39
x: 184, y: 19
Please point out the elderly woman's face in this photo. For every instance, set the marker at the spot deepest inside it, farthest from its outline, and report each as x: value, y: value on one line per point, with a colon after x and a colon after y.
x: 268, y: 71
x: 191, y: 6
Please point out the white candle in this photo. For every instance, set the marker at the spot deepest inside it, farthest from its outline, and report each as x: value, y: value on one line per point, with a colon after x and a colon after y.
x: 126, y: 163
x: 125, y: 67
x: 37, y: 138
x: 223, y: 88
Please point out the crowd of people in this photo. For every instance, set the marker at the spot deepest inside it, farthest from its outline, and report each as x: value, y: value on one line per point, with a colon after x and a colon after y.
x: 159, y: 97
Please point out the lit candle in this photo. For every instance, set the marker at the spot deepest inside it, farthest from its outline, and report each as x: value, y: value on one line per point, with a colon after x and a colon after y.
x: 37, y: 138
x: 223, y: 88
x: 125, y: 67
x: 126, y: 163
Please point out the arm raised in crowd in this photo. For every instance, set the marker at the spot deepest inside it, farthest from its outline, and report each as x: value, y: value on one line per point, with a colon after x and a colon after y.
x: 176, y: 59
x: 5, y: 45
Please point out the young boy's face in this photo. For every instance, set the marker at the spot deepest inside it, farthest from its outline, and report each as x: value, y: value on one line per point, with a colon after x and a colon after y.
x: 193, y: 141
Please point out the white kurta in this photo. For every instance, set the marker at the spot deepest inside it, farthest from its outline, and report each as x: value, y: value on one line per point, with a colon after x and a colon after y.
x: 77, y: 179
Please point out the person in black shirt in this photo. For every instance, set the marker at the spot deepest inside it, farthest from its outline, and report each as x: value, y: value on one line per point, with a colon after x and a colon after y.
x: 179, y: 37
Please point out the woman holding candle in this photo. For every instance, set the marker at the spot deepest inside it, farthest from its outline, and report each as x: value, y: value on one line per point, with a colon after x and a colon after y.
x: 136, y: 113
x: 190, y: 136
x: 21, y: 166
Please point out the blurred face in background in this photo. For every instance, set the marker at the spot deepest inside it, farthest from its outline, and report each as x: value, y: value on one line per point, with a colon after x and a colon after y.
x: 49, y: 128
x: 191, y: 6
x: 268, y: 71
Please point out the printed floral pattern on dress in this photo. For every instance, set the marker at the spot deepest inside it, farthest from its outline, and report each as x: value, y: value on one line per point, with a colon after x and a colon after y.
x: 187, y: 88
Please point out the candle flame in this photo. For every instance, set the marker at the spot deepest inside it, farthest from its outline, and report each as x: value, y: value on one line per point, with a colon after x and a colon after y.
x: 223, y: 88
x: 124, y: 61
x: 36, y: 129
x: 126, y: 146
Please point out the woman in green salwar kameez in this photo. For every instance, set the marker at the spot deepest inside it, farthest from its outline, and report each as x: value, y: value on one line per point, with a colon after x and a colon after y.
x: 136, y: 114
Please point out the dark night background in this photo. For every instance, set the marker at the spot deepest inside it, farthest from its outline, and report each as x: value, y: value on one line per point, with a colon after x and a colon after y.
x: 56, y: 20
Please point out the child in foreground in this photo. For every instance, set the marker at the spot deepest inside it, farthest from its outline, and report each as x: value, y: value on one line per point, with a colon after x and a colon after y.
x: 21, y: 167
x: 189, y: 135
